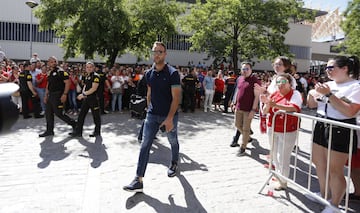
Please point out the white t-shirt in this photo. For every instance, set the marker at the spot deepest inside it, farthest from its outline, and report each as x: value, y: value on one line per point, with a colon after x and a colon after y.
x: 304, y: 82
x: 348, y: 91
x: 117, y: 81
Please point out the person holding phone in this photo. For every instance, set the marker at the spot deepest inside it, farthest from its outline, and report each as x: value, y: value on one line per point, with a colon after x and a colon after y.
x: 163, y: 95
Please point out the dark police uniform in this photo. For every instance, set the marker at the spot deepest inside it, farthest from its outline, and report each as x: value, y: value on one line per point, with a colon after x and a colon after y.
x: 100, y: 90
x: 230, y: 88
x: 26, y: 96
x: 56, y: 87
x: 90, y: 102
x: 189, y: 82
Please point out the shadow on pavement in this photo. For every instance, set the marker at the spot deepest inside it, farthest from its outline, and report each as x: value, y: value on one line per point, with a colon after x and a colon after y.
x: 95, y: 150
x: 51, y: 151
x: 161, y: 154
x: 192, y: 203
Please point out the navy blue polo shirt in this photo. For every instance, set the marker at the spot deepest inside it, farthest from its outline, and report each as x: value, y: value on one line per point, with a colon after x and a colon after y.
x: 161, y: 83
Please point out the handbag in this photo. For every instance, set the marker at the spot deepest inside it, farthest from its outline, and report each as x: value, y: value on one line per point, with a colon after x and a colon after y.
x: 116, y: 90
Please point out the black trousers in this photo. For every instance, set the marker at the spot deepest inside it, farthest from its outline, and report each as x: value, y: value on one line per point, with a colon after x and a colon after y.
x: 228, y: 96
x: 91, y: 102
x: 54, y: 106
x: 25, y: 98
x: 189, y: 100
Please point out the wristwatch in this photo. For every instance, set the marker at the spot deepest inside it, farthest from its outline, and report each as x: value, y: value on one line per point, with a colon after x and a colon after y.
x: 329, y: 94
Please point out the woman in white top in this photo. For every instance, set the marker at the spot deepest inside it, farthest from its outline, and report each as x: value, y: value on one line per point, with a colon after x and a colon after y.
x: 339, y: 100
x: 117, y: 90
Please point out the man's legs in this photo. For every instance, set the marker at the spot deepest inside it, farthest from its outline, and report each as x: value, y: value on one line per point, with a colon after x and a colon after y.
x: 49, y: 115
x: 174, y: 143
x: 151, y: 127
x: 245, y: 129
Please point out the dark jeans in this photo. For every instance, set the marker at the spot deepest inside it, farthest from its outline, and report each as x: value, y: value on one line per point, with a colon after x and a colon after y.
x: 189, y: 100
x: 151, y: 127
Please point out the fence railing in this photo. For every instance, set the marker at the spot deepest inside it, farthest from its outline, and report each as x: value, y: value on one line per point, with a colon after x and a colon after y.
x: 314, y: 119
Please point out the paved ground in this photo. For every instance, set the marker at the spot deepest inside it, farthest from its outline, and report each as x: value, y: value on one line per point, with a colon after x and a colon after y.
x: 62, y: 174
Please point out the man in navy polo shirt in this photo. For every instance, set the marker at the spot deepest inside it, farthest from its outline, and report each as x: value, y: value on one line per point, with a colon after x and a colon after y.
x: 163, y: 95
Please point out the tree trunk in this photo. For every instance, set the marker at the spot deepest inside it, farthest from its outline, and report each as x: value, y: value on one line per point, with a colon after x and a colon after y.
x: 112, y: 57
x: 235, y: 49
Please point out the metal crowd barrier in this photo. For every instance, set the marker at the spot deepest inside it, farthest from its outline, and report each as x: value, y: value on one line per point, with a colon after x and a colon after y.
x: 274, y: 173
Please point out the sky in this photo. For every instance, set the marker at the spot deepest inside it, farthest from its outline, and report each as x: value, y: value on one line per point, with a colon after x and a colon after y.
x: 326, y: 4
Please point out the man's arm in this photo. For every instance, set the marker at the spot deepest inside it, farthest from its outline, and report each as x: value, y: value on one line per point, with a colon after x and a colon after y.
x: 175, y: 92
x: 148, y: 95
x: 66, y: 90
x: 31, y: 87
x: 168, y: 122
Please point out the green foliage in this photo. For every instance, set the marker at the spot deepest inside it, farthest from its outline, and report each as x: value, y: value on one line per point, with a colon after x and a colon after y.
x: 351, y: 28
x: 151, y: 19
x: 108, y: 27
x: 246, y: 29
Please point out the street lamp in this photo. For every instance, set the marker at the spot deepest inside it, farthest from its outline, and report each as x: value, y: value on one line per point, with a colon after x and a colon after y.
x: 32, y: 4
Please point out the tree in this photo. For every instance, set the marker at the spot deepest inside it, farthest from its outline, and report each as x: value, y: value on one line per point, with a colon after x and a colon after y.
x: 152, y: 20
x: 351, y: 28
x: 247, y: 29
x: 107, y: 27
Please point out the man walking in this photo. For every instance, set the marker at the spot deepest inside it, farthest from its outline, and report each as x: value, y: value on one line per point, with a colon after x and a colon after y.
x: 246, y: 103
x: 55, y: 97
x: 163, y: 97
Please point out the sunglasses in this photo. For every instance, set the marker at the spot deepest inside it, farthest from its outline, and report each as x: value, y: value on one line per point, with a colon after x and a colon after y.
x: 157, y: 52
x: 278, y: 64
x: 245, y: 69
x: 284, y: 81
x: 329, y: 68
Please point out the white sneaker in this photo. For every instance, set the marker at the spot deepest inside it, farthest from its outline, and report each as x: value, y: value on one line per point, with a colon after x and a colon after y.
x: 330, y: 209
x: 42, y: 113
x: 205, y: 110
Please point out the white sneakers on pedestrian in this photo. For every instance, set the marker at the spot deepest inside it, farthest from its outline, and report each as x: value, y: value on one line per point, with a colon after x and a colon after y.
x: 331, y: 209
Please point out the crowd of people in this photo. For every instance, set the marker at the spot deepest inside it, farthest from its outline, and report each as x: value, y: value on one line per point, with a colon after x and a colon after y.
x: 67, y: 90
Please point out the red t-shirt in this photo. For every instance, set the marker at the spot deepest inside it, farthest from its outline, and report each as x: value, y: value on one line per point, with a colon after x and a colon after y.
x: 72, y: 82
x: 219, y: 85
x: 291, y: 121
x: 245, y: 92
x: 6, y: 75
x: 43, y: 83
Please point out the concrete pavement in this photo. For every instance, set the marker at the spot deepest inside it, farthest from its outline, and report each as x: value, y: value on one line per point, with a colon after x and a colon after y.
x: 63, y: 174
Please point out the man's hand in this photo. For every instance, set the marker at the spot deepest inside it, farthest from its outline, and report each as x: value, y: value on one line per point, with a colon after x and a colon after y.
x: 168, y: 123
x: 63, y: 98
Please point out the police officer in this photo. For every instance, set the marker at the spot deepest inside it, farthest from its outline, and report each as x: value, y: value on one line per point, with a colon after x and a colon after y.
x: 189, y: 82
x: 229, y: 90
x: 28, y: 92
x: 55, y: 97
x: 90, y: 100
